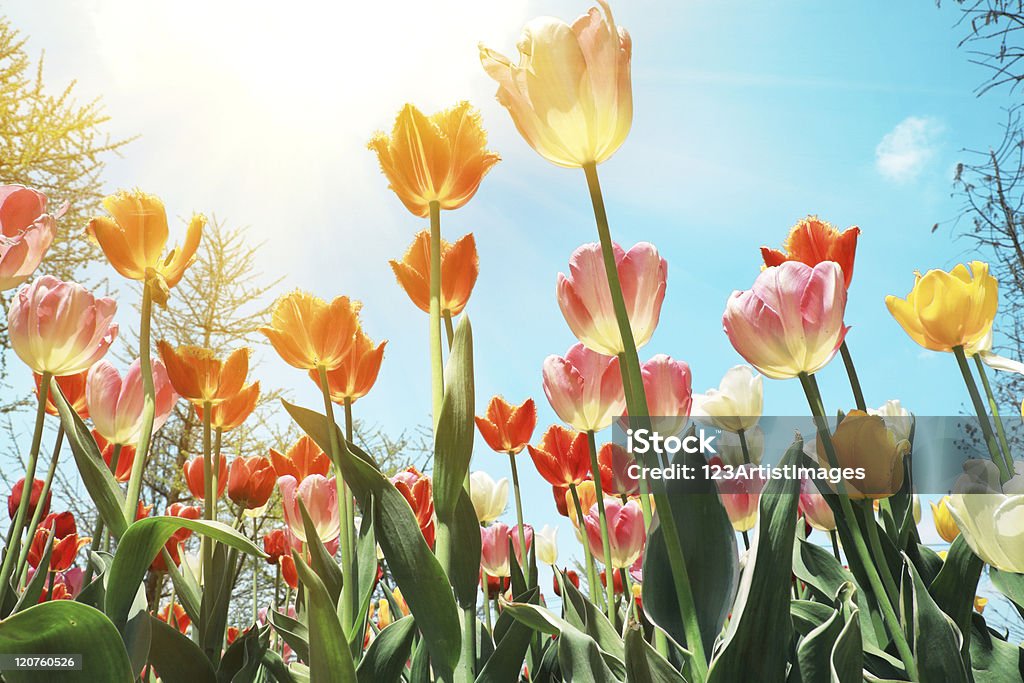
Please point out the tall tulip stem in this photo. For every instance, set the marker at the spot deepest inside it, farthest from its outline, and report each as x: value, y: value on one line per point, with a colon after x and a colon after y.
x: 206, y: 543
x: 851, y: 372
x: 606, y: 545
x: 98, y: 537
x: 37, y: 514
x: 742, y: 434
x: 994, y: 405
x: 1005, y: 469
x: 436, y: 361
x: 519, y: 505
x: 592, y: 581
x: 131, y: 501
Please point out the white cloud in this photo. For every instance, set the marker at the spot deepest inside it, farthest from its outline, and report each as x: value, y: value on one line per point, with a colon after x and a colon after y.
x: 905, y: 150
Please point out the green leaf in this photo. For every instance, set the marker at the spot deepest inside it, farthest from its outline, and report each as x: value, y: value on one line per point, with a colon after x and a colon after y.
x: 137, y: 633
x: 176, y: 657
x: 66, y: 627
x: 243, y: 658
x: 453, y: 445
x: 366, y: 557
x: 757, y: 643
x: 293, y: 632
x: 1010, y: 585
x: 954, y: 587
x: 993, y: 660
x: 506, y: 662
x: 35, y: 587
x: 833, y: 650
x: 139, y: 545
x: 322, y: 562
x: 329, y: 660
x: 594, y: 622
x: 644, y: 664
x: 466, y: 553
x: 385, y: 659
x: 934, y: 636
x: 186, y: 588
x: 808, y: 615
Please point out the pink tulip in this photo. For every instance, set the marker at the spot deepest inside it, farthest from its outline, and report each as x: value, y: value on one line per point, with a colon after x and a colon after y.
x: 320, y: 496
x: 625, y: 532
x: 741, y: 495
x: 584, y: 388
x: 514, y: 533
x: 116, y: 405
x: 26, y: 232
x: 815, y: 508
x: 60, y: 327
x: 667, y: 383
x: 494, y: 549
x: 791, y: 321
x: 586, y: 301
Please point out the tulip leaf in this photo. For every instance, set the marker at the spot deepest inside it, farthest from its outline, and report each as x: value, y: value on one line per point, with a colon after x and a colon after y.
x: 328, y: 662
x: 66, y: 627
x: 321, y: 561
x: 103, y: 489
x: 385, y: 659
x: 366, y: 557
x: 139, y: 545
x: 954, y: 587
x: 594, y: 622
x: 466, y: 547
x: 186, y: 588
x: 294, y: 632
x: 757, y: 643
x: 453, y: 445
x: 137, y: 633
x: 243, y: 658
x: 644, y: 664
x: 1010, y: 585
x: 414, y: 567
x: 935, y: 638
x: 506, y: 662
x: 35, y: 587
x: 176, y: 657
x: 814, y: 655
x: 808, y: 615
x: 993, y: 660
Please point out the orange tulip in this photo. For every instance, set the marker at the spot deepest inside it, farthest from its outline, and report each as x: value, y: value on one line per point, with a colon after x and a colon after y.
x: 73, y: 388
x: 232, y: 412
x: 439, y: 158
x: 180, y: 620
x: 309, y: 333
x: 302, y: 459
x: 193, y: 471
x: 133, y: 240
x: 288, y: 571
x: 507, y: 428
x: 459, y: 268
x: 200, y: 377
x: 123, y: 470
x: 587, y: 493
x: 357, y: 373
x: 251, y: 481
x: 562, y: 458
x: 812, y: 241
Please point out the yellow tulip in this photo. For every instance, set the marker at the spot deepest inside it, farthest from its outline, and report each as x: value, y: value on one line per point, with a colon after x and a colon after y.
x: 945, y: 310
x: 863, y: 441
x: 944, y: 522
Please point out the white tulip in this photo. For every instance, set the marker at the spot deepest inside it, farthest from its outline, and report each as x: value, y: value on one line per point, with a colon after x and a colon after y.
x: 489, y: 497
x: 736, y: 404
x: 547, y: 544
x: 731, y: 450
x: 898, y: 419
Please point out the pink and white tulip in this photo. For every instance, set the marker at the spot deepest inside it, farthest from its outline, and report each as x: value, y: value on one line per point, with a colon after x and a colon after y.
x: 115, y: 404
x: 669, y: 390
x: 741, y: 496
x: 815, y: 508
x: 528, y: 533
x: 26, y: 233
x: 320, y: 496
x: 626, y: 533
x: 584, y: 388
x: 494, y: 549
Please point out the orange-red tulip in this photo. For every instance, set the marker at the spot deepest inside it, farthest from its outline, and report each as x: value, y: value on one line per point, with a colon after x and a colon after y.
x: 288, y: 571
x: 459, y: 268
x: 193, y: 471
x: 125, y: 458
x: 180, y: 620
x: 73, y: 388
x: 309, y: 333
x: 14, y: 500
x: 279, y: 543
x: 200, y: 377
x: 302, y: 459
x: 66, y: 542
x: 232, y: 412
x: 173, y: 545
x: 357, y: 373
x: 507, y: 428
x: 251, y: 481
x: 812, y: 241
x: 418, y: 491
x: 562, y: 457
x: 439, y: 158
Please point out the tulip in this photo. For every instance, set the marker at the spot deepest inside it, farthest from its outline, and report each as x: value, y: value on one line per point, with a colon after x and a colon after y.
x: 302, y: 459
x: 193, y: 471
x: 125, y: 458
x: 459, y: 269
x: 279, y: 543
x: 626, y: 533
x: 232, y: 412
x: 441, y: 158
x: 59, y: 592
x: 898, y: 419
x: 507, y: 428
x: 944, y: 522
x: 586, y: 300
x: 587, y: 494
x: 320, y: 496
x: 27, y: 230
x: 200, y: 377
x: 667, y: 385
x: 616, y: 581
x: 570, y: 95
x: 561, y: 495
x: 309, y: 333
x: 571, y: 576
x: 740, y: 496
x: 813, y: 241
x: 562, y: 457
x: 289, y: 573
x: 357, y: 373
x: 815, y: 508
x: 615, y: 462
x: 73, y: 389
x: 489, y: 497
x: 862, y: 440
x: 494, y: 557
x: 730, y: 447
x: 173, y: 544
x: 979, y: 604
x: 946, y: 310
x: 527, y: 534
x: 181, y: 620
x: 142, y: 511
x: 250, y: 482
x: 60, y: 328
x: 547, y: 545
x: 791, y: 321
x: 584, y: 388
x: 418, y: 491
x: 66, y: 542
x: 497, y: 586
x: 133, y: 240
x: 14, y: 500
x: 116, y: 405
x: 736, y: 404
x: 991, y: 525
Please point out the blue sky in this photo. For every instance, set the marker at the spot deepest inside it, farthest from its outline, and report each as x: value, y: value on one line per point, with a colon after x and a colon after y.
x: 747, y: 118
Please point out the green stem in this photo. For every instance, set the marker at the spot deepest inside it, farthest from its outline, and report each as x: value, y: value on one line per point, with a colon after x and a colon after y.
x: 876, y: 549
x: 436, y: 362
x: 449, y: 328
x: 835, y: 545
x: 255, y: 578
x: 1005, y: 471
x: 131, y: 501
x: 592, y: 581
x: 743, y: 446
x: 18, y: 524
x: 994, y: 405
x: 859, y: 547
x: 851, y: 372
x: 37, y: 514
x: 487, y: 606
x: 206, y: 543
x: 606, y: 545
x: 519, y: 507
x: 746, y: 540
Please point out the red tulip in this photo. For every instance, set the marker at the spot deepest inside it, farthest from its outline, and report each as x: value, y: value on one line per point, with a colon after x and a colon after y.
x: 615, y: 462
x: 278, y: 543
x: 251, y: 481
x: 418, y: 491
x: 14, y: 500
x: 180, y: 620
x: 123, y: 471
x: 194, y: 477
x: 288, y: 571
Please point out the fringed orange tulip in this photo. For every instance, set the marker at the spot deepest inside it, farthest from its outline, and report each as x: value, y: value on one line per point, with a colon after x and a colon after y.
x: 357, y: 374
x: 459, y: 268
x: 812, y: 241
x: 134, y: 237
x: 302, y: 459
x: 193, y: 471
x: 441, y: 158
x: 562, y: 458
x: 232, y: 412
x: 507, y: 428
x: 73, y: 388
x: 251, y: 481
x: 200, y: 377
x: 309, y: 333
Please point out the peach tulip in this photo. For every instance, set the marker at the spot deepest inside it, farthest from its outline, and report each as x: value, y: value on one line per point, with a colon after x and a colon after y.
x: 193, y: 470
x: 587, y: 493
x: 586, y: 300
x: 59, y: 327
x: 741, y: 496
x: 441, y: 158
x: 562, y: 457
x: 791, y: 321
x: 357, y: 373
x: 302, y: 459
x: 814, y: 508
x: 668, y: 386
x: 494, y: 558
x: 233, y: 411
x: 26, y: 233
x: 199, y: 376
x: 116, y: 404
x: 626, y: 533
x: 73, y: 388
x: 250, y: 482
x: 507, y: 428
x: 320, y: 496
x: 459, y: 269
x: 813, y: 241
x: 584, y: 388
x: 570, y: 96
x: 310, y: 333
x: 514, y: 536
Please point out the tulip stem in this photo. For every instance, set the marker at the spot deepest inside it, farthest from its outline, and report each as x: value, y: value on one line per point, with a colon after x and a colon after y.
x: 851, y: 372
x: 860, y: 548
x: 1005, y: 471
x: 449, y: 328
x: 37, y: 514
x: 255, y: 577
x: 606, y: 546
x: 487, y: 604
x: 876, y: 549
x: 206, y: 543
x: 519, y: 506
x: 26, y: 489
x: 131, y: 501
x: 1007, y: 453
x: 592, y: 581
x: 743, y: 446
x: 436, y: 361
x: 835, y: 545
